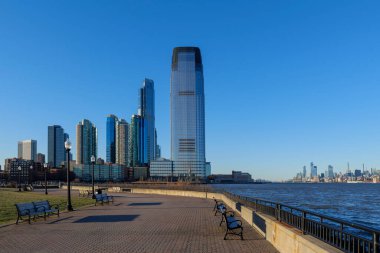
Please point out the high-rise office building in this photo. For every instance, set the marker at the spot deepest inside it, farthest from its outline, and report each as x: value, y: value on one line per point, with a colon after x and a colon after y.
x: 330, y: 171
x: 122, y: 140
x: 56, y: 145
x: 146, y: 111
x: 135, y: 141
x: 27, y: 150
x: 313, y: 170
x: 111, y: 138
x: 304, y: 172
x: 41, y: 158
x: 157, y: 151
x: 187, y: 111
x: 87, y: 141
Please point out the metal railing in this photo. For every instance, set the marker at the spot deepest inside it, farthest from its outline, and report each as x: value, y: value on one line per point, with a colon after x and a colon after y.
x: 344, y: 235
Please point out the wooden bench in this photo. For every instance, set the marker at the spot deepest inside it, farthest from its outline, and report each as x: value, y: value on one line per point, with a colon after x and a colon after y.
x: 45, y: 206
x: 103, y: 198
x: 232, y: 225
x: 28, y: 209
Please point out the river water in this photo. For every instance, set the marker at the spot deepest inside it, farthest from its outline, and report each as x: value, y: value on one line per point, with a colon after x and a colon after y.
x: 358, y: 203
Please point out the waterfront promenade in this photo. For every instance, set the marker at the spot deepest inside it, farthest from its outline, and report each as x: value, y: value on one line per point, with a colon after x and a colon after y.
x: 134, y: 223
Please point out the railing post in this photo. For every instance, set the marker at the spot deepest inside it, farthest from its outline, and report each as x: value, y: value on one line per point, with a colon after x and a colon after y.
x: 303, y: 223
x: 341, y: 237
x: 278, y: 212
x: 375, y: 242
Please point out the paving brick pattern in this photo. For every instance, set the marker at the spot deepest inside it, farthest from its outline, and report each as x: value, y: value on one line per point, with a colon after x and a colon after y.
x: 134, y: 223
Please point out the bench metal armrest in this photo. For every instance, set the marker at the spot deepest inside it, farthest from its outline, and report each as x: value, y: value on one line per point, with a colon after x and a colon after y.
x: 241, y: 223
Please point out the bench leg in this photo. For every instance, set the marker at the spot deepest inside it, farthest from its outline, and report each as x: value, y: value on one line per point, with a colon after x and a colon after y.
x: 18, y: 217
x: 241, y: 234
x: 225, y: 236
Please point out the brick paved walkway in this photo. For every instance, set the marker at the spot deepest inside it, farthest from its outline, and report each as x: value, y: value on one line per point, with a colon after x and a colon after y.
x: 134, y: 223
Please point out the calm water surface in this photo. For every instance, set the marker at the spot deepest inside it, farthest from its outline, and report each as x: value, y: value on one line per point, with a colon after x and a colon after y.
x: 359, y: 203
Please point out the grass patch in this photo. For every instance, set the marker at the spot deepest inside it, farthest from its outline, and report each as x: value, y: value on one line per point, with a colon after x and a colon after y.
x: 8, y: 199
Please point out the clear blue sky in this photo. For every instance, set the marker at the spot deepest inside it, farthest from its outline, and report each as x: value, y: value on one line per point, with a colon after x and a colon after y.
x: 286, y: 82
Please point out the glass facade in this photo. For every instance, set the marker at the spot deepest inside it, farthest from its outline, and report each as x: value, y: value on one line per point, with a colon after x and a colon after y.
x: 146, y: 111
x: 135, y: 141
x: 187, y: 112
x: 87, y: 141
x: 102, y: 172
x: 111, y: 139
x: 161, y: 168
x: 122, y: 138
x: 56, y: 145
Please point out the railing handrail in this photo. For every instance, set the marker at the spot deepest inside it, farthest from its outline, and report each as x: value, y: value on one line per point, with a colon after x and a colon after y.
x: 336, y: 220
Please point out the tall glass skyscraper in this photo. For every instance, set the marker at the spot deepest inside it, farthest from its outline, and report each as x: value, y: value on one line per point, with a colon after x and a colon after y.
x: 135, y: 141
x: 146, y: 111
x: 87, y: 141
x: 187, y: 105
x: 111, y: 138
x: 122, y: 139
x: 56, y: 145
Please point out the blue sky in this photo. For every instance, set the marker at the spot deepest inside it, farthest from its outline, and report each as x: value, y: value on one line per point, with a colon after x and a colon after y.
x: 286, y: 82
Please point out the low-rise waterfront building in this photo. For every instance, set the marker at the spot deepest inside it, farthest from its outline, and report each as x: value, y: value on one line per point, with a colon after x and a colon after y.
x: 140, y: 173
x: 28, y: 169
x: 237, y: 177
x: 102, y: 172
x: 161, y: 168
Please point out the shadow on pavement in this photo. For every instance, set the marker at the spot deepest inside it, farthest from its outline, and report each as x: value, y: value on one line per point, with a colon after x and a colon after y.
x: 62, y: 219
x: 107, y: 218
x: 145, y: 204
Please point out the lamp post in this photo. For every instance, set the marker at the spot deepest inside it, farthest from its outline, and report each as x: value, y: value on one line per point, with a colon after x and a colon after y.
x: 68, y: 148
x: 19, y: 178
x: 29, y: 173
x: 46, y: 167
x: 93, y: 174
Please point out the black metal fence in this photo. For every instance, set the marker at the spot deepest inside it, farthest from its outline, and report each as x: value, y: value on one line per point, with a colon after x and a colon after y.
x: 346, y: 236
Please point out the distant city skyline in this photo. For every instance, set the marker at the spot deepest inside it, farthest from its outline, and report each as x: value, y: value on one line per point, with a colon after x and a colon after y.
x: 287, y: 84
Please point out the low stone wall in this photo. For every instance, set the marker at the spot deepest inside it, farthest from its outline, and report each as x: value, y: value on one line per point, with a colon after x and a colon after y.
x: 286, y: 239
x: 77, y: 187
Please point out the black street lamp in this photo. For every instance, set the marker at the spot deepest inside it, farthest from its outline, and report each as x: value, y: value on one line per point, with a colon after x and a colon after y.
x: 68, y: 148
x: 28, y: 178
x: 93, y: 173
x: 46, y: 168
x: 19, y: 178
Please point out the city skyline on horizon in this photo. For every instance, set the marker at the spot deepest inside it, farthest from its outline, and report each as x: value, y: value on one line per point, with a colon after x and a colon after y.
x: 285, y: 84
